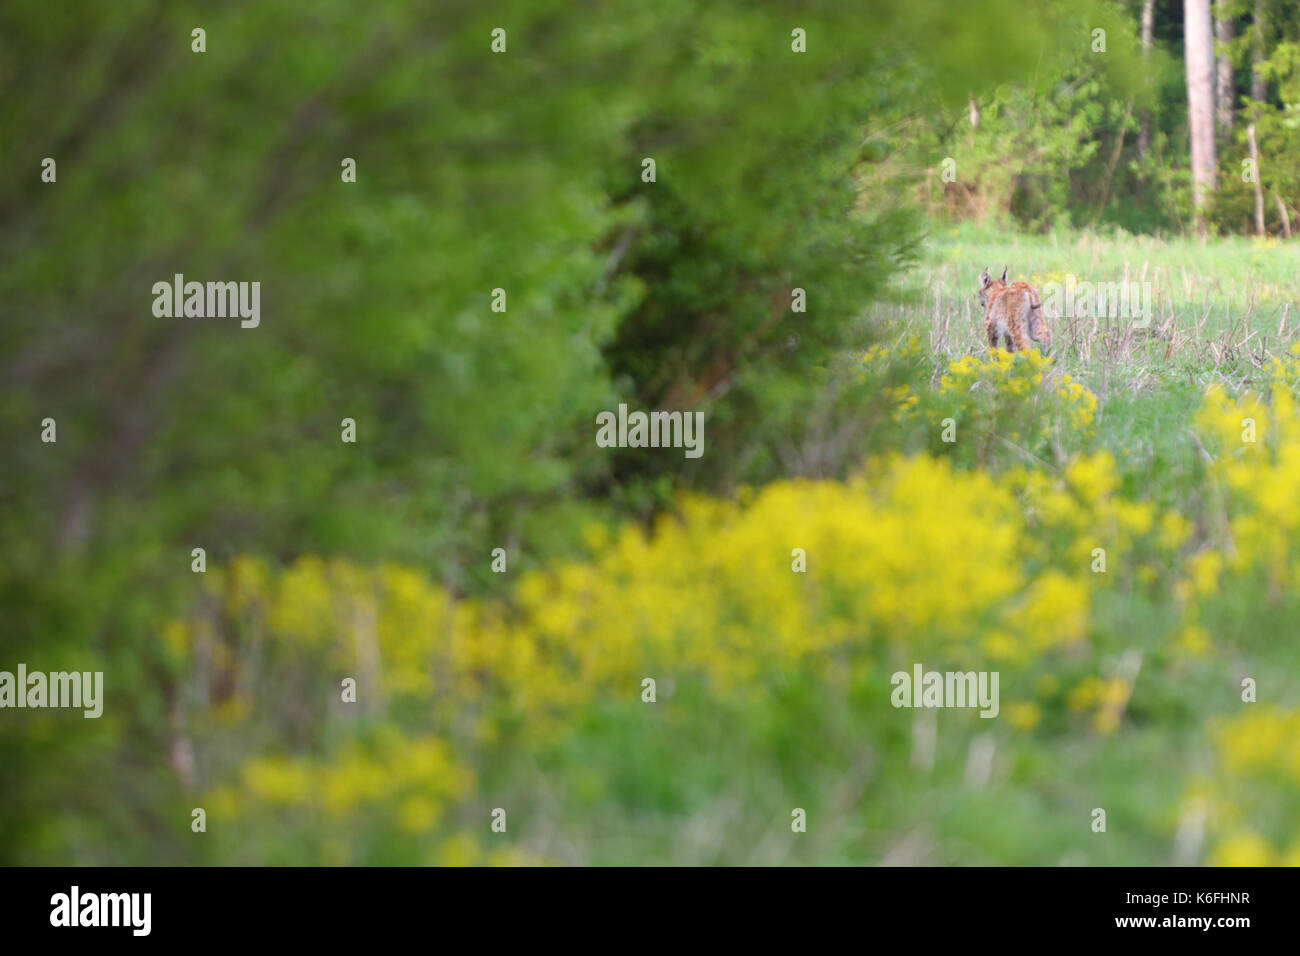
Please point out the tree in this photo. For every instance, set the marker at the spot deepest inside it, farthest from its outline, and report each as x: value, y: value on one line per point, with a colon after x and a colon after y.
x: 1225, y: 87
x: 1198, y: 38
x: 1148, y: 29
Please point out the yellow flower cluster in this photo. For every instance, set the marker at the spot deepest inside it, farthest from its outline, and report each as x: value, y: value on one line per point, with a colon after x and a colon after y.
x: 1000, y: 369
x: 1080, y: 402
x: 882, y: 365
x: 988, y: 389
x: 1014, y: 376
x: 1103, y: 698
x: 1083, y: 508
x: 1255, y: 440
x: 1256, y: 753
x: 911, y: 553
x: 914, y: 559
x: 911, y: 560
x: 420, y: 774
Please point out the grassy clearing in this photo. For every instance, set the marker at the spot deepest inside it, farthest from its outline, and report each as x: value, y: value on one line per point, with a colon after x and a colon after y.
x: 1222, y: 308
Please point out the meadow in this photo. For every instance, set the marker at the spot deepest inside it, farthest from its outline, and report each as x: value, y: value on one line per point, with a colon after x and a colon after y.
x: 1124, y: 682
x: 1223, y: 307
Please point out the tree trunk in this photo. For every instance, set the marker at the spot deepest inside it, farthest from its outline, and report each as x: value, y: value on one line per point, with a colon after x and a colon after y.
x: 1259, y: 187
x: 1198, y: 41
x: 1286, y: 218
x: 1148, y: 29
x: 1258, y: 90
x: 1225, y: 84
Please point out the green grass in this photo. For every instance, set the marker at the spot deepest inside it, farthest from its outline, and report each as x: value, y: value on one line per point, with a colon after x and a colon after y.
x: 1220, y: 307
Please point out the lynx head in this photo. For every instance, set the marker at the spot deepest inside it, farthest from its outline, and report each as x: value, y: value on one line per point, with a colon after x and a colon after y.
x: 989, y: 287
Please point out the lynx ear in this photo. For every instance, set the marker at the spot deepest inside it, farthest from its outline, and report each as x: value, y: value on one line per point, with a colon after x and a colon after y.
x: 1004, y: 273
x: 984, y: 277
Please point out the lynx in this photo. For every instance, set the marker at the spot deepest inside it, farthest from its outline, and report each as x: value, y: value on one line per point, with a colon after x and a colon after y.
x: 1013, y: 313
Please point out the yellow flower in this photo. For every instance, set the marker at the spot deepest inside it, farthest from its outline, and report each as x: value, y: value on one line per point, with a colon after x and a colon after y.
x: 1024, y: 715
x: 1194, y: 640
x: 1243, y: 848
